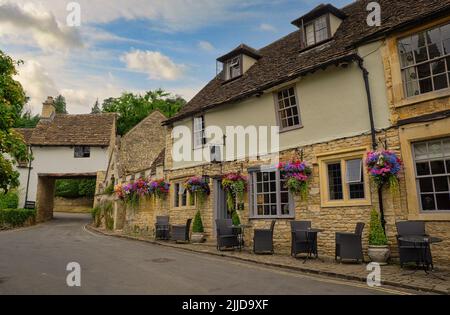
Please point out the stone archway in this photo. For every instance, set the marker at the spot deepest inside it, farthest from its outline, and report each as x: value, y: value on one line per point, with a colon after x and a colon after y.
x: 46, y: 191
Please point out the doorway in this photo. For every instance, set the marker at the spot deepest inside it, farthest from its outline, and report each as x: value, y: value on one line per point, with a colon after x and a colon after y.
x: 220, y: 204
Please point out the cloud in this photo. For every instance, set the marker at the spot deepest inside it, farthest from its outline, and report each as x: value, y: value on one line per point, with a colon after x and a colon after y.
x: 267, y: 27
x: 22, y: 22
x: 206, y: 46
x: 36, y: 82
x: 154, y: 63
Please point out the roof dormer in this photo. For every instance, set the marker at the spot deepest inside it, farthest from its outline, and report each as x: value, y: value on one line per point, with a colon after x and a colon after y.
x: 320, y: 24
x: 235, y: 63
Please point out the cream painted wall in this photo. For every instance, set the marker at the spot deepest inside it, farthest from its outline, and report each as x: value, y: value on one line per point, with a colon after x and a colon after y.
x: 335, y: 22
x: 59, y: 160
x: 333, y: 105
x: 247, y: 63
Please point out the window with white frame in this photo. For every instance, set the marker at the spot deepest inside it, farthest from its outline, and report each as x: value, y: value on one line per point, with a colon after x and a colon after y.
x: 82, y: 152
x: 432, y: 166
x: 269, y: 196
x: 425, y: 60
x: 233, y: 68
x: 317, y: 31
x: 288, y: 114
x: 199, y: 132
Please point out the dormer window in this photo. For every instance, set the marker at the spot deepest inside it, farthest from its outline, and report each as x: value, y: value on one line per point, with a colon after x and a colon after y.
x: 319, y: 25
x: 235, y: 63
x: 233, y: 68
x: 317, y: 31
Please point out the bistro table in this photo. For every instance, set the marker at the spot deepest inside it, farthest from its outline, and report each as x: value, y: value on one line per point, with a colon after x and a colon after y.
x: 311, y: 238
x: 239, y: 231
x: 423, y: 243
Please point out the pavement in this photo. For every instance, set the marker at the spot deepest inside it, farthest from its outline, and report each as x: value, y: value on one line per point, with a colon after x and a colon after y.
x: 33, y: 261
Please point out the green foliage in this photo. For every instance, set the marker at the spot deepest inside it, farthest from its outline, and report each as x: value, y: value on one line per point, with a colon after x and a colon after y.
x: 297, y: 187
x: 235, y: 218
x: 103, y: 212
x: 12, y: 145
x: 27, y: 120
x: 133, y: 108
x: 75, y: 188
x: 10, y: 200
x: 96, y: 108
x: 60, y: 105
x: 109, y: 190
x: 15, y: 217
x: 377, y: 237
x: 197, y: 226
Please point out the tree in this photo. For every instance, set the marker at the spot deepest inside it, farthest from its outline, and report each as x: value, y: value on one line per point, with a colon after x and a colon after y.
x: 60, y: 105
x: 132, y: 109
x: 12, y: 144
x: 27, y: 120
x: 96, y: 108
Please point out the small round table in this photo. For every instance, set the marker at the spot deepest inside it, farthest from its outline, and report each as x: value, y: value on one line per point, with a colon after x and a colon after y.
x: 423, y: 243
x: 311, y: 237
x: 239, y: 231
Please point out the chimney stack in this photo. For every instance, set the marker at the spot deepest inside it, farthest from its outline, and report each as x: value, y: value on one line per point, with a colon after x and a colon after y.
x: 48, y: 109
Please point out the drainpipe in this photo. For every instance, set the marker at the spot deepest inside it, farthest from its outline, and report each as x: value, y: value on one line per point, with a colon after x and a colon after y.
x: 28, y: 179
x: 365, y: 73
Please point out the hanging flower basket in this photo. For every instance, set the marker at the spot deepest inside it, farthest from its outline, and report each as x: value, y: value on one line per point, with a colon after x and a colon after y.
x: 384, y: 168
x: 297, y: 175
x: 158, y: 188
x: 199, y: 187
x: 235, y: 185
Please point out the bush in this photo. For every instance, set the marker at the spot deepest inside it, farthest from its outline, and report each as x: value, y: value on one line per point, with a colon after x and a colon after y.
x: 75, y: 188
x: 377, y: 237
x: 197, y: 227
x: 235, y: 218
x: 109, y: 190
x: 10, y: 200
x: 15, y: 217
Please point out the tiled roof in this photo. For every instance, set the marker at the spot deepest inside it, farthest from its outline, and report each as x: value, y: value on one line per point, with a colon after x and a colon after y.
x: 283, y: 60
x: 63, y: 130
x: 26, y: 133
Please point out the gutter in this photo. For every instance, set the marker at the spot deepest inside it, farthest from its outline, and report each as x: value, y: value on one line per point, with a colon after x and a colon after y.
x: 365, y: 74
x: 29, y: 174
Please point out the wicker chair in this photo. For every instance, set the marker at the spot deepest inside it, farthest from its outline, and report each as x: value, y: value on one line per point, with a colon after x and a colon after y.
x: 263, y: 240
x: 226, y: 238
x: 162, y: 228
x: 349, y: 245
x: 180, y: 233
x: 299, y: 240
x: 410, y: 252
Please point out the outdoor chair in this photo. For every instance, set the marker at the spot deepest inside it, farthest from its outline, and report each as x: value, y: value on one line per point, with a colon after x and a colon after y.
x: 180, y: 233
x: 299, y: 240
x: 349, y: 245
x: 162, y: 228
x: 263, y: 240
x: 412, y: 252
x: 226, y: 237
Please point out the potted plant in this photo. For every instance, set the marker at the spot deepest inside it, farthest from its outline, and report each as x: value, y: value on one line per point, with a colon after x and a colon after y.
x: 198, y: 235
x: 384, y: 168
x: 235, y: 186
x: 378, y: 245
x: 297, y: 175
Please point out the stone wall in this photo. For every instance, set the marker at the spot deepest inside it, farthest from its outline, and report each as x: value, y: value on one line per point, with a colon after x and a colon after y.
x: 77, y: 205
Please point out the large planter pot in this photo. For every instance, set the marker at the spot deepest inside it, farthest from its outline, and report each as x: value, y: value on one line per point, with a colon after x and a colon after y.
x: 197, y: 238
x: 379, y: 254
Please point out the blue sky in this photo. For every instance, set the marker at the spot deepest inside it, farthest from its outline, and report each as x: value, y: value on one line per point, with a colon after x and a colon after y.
x: 134, y: 45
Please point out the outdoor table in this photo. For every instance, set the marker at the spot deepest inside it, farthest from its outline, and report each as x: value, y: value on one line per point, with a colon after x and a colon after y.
x: 164, y: 231
x: 311, y: 237
x: 421, y: 242
x: 239, y: 231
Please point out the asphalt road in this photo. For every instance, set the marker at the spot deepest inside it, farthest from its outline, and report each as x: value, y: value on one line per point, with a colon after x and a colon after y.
x: 34, y: 260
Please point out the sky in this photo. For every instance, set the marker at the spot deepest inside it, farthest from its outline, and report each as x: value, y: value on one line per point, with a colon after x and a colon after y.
x: 133, y: 45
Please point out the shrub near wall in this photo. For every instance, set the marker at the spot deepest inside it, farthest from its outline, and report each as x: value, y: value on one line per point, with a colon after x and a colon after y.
x: 9, y: 200
x: 11, y: 218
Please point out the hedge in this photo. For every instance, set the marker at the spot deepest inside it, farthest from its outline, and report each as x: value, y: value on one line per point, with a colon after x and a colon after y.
x: 15, y: 217
x: 9, y: 200
x: 75, y: 188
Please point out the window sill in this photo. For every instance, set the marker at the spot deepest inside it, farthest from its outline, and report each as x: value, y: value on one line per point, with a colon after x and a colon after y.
x: 232, y: 79
x: 345, y: 203
x: 431, y: 216
x: 290, y: 129
x: 424, y: 97
x: 291, y: 217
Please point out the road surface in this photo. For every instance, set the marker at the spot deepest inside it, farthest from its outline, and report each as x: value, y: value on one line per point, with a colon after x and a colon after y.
x: 33, y: 261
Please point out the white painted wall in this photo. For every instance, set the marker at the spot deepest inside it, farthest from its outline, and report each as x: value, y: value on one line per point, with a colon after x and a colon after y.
x: 333, y: 105
x: 59, y: 160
